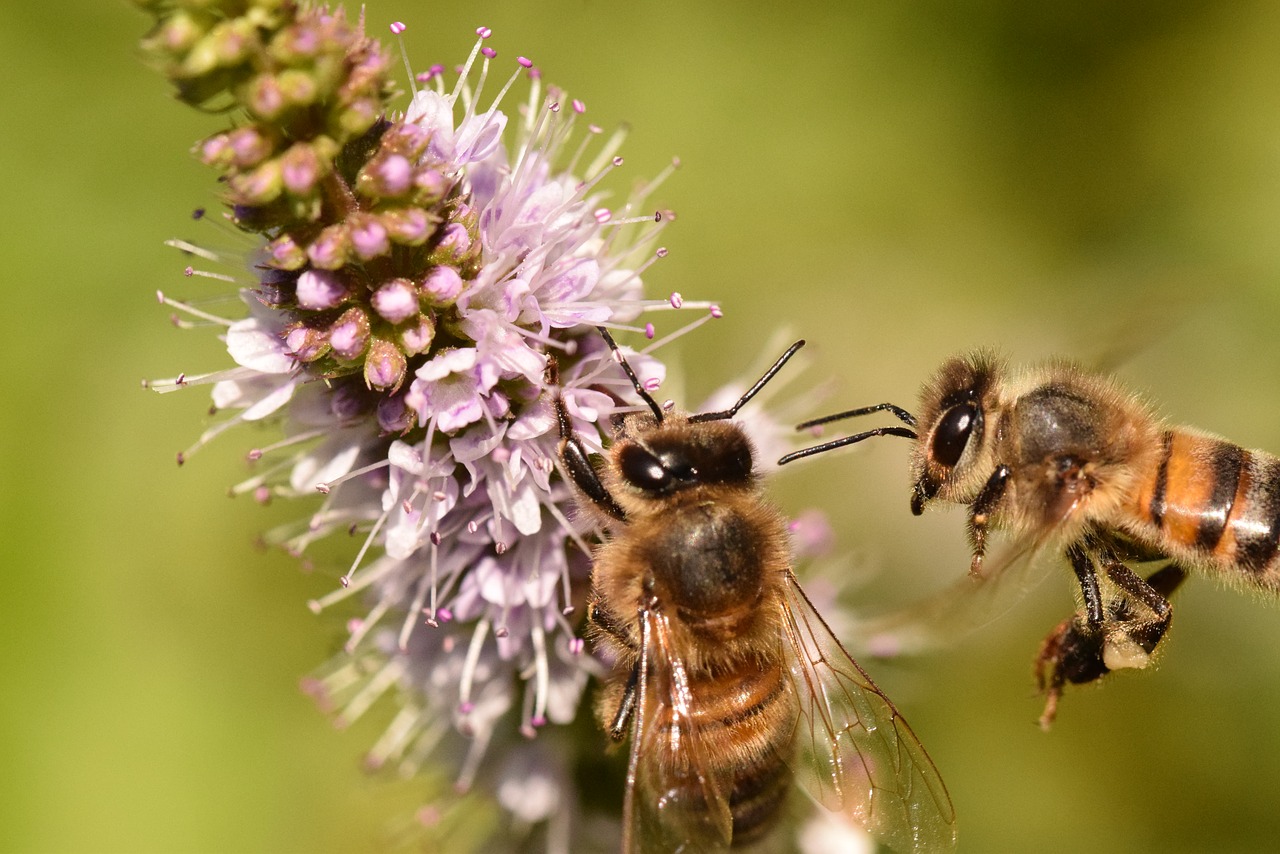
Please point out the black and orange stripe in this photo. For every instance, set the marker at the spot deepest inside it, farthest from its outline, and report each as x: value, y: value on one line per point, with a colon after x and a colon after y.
x: 1216, y: 499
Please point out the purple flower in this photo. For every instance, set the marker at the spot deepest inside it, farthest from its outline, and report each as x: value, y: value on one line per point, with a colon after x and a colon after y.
x: 412, y: 280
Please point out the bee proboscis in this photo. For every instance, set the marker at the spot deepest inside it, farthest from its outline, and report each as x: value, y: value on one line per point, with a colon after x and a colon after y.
x: 727, y: 680
x: 1059, y: 455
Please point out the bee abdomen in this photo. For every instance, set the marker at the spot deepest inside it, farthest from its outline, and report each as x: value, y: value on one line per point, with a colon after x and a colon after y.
x: 759, y: 790
x: 745, y: 717
x: 1219, y: 500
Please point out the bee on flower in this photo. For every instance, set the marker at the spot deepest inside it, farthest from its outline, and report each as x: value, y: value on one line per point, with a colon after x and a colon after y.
x: 402, y: 278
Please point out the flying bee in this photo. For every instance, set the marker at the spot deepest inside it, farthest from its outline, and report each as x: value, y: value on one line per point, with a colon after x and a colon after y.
x: 728, y: 682
x: 1057, y: 454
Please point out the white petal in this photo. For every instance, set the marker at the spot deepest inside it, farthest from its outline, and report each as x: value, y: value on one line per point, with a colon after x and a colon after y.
x: 254, y: 347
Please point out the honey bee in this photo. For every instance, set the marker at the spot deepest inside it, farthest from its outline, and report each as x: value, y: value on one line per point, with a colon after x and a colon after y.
x: 726, y: 679
x: 1060, y: 455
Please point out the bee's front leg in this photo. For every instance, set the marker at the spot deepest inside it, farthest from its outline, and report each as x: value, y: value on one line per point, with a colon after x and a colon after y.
x: 980, y: 515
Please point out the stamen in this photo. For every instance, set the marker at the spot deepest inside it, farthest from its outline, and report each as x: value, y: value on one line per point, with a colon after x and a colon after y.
x: 543, y: 679
x: 345, y: 580
x: 376, y: 570
x: 376, y: 687
x: 465, y: 71
x: 415, y: 611
x: 300, y: 438
x: 193, y: 249
x: 423, y: 746
x: 363, y: 626
x: 470, y: 664
x: 397, y: 30
x: 611, y: 147
x: 471, y: 765
x: 395, y: 737
x: 679, y: 333
x: 563, y: 522
x: 192, y: 310
x: 354, y: 473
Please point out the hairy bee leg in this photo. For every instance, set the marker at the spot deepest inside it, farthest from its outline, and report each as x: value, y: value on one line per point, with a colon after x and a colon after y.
x: 980, y: 515
x: 607, y: 623
x: 1073, y: 651
x: 1145, y: 634
x: 1106, y: 636
x: 1087, y: 576
x: 578, y: 463
x: 626, y: 705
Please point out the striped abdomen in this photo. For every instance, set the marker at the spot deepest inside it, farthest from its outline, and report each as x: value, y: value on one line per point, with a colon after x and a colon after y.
x: 1211, y: 500
x: 744, y: 718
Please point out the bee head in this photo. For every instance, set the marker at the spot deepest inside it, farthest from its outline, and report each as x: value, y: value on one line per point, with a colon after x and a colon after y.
x: 954, y: 407
x: 659, y: 460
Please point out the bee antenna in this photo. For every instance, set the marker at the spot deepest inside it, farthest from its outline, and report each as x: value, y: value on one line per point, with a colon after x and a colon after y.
x: 751, y: 392
x: 898, y: 412
x: 904, y: 432
x: 635, y: 381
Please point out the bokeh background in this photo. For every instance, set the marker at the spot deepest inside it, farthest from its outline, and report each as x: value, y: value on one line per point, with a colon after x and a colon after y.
x: 894, y: 182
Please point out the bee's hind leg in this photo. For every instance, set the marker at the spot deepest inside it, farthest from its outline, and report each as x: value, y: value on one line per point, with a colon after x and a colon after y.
x: 1073, y: 651
x: 1132, y: 636
x: 1119, y: 631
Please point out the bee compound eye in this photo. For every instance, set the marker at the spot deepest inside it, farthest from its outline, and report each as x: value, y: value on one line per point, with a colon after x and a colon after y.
x: 642, y: 469
x: 952, y: 434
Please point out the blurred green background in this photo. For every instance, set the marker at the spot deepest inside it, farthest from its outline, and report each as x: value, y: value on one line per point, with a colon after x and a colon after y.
x: 895, y: 182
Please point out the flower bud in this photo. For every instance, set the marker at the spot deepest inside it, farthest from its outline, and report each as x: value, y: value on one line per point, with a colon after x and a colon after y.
x: 294, y: 44
x: 409, y: 226
x: 298, y: 87
x: 216, y: 151
x: 396, y: 300
x: 259, y: 186
x: 357, y: 117
x: 386, y: 176
x: 248, y: 146
x: 176, y: 35
x: 284, y: 254
x: 349, y: 334
x: 416, y: 337
x: 455, y: 243
x: 232, y: 41
x: 442, y: 285
x: 330, y: 249
x: 304, y: 343
x: 394, y: 416
x: 385, y: 366
x: 321, y: 289
x: 265, y: 99
x: 431, y: 186
x: 300, y: 169
x: 368, y: 236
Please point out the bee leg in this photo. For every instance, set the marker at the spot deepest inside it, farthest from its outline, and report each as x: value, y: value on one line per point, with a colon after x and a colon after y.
x: 1073, y: 651
x: 626, y: 705
x: 577, y: 464
x: 1132, y: 640
x: 602, y: 620
x: 980, y: 515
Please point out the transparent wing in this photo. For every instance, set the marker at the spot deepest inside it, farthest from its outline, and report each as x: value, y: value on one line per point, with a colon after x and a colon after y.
x: 960, y: 608
x: 676, y: 800
x: 853, y: 751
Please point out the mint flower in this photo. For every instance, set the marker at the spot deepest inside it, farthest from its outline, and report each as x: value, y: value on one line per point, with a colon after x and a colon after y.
x: 405, y: 276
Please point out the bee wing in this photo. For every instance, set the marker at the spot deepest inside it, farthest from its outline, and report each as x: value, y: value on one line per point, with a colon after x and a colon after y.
x: 675, y: 800
x: 962, y: 607
x: 853, y: 751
